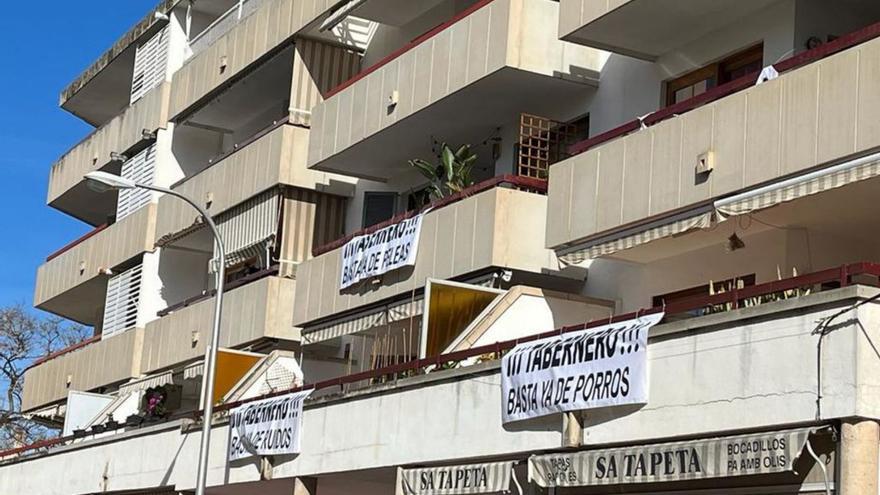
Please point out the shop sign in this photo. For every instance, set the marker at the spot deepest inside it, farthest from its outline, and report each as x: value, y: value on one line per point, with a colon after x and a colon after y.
x: 700, y: 459
x: 267, y: 427
x: 490, y: 477
x: 371, y: 255
x: 599, y: 367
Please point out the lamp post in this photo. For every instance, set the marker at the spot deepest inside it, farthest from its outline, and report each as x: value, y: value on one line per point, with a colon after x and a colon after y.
x: 102, y: 182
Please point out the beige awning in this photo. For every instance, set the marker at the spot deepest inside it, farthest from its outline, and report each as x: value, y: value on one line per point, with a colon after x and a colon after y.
x: 248, y: 227
x: 364, y: 320
x: 145, y: 383
x: 759, y: 453
x: 666, y: 227
x: 490, y: 477
x: 864, y: 168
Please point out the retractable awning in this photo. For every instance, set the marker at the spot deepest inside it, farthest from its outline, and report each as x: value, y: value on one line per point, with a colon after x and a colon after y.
x: 666, y: 227
x: 365, y: 320
x: 759, y: 453
x: 849, y: 172
x: 490, y: 477
x: 832, y: 177
x: 145, y: 383
x: 247, y: 228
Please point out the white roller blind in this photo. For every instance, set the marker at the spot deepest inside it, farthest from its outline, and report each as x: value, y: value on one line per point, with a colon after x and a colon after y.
x: 150, y: 65
x: 121, y: 304
x: 141, y: 168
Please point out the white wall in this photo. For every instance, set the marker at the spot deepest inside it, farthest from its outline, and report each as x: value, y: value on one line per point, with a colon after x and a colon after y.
x: 630, y: 88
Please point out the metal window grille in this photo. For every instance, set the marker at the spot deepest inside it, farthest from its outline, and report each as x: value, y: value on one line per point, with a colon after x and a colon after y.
x: 121, y: 304
x: 150, y: 65
x: 140, y: 168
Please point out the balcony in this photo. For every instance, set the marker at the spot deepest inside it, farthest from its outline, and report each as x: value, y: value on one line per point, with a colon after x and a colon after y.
x: 460, y: 82
x: 251, y: 40
x: 817, y: 113
x: 649, y: 29
x: 71, y: 283
x: 67, y: 189
x: 253, y: 311
x: 775, y: 337
x: 274, y: 156
x: 484, y: 228
x: 94, y: 364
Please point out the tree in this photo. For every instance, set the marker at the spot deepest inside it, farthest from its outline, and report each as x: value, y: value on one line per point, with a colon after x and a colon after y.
x: 451, y: 175
x: 24, y: 337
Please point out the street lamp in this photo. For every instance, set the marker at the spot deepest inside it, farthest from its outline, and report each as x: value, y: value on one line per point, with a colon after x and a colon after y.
x: 102, y: 182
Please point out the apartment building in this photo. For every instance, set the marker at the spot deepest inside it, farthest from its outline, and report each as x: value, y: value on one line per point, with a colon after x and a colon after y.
x: 700, y: 170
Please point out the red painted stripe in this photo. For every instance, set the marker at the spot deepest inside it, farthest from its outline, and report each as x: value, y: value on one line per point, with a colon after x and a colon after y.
x: 842, y: 43
x: 77, y: 242
x: 407, y: 47
x: 842, y: 275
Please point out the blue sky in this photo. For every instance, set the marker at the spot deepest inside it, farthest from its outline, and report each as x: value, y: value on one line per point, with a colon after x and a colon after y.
x: 45, y: 46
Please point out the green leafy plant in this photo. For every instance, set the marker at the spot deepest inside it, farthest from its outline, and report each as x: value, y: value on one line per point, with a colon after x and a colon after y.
x: 451, y: 175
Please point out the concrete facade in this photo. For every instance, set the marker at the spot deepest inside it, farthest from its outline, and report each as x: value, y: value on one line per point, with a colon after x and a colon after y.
x: 771, y: 312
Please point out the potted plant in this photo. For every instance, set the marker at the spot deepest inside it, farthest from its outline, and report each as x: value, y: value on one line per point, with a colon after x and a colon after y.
x: 451, y: 175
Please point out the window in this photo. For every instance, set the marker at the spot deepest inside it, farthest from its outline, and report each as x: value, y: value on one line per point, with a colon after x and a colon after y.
x: 703, y: 290
x: 701, y: 80
x: 378, y: 207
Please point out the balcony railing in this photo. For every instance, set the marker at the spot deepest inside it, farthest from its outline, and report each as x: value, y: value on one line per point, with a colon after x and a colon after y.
x: 832, y: 278
x: 842, y: 43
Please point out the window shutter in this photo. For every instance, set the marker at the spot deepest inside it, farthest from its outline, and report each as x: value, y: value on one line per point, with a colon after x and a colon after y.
x: 121, y: 305
x: 140, y: 168
x: 150, y: 65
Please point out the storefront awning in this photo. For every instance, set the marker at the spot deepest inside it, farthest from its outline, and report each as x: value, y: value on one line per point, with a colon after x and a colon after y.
x: 365, y: 320
x: 760, y: 453
x: 666, y: 227
x: 492, y: 477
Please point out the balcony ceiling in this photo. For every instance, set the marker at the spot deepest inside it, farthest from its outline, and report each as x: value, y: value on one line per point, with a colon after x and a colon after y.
x: 83, y: 203
x: 649, y: 28
x: 107, y: 94
x: 394, y: 12
x: 76, y: 304
x: 847, y: 213
x: 468, y: 116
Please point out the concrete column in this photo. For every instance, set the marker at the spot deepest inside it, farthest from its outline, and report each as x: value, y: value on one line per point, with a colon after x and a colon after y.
x: 305, y: 486
x: 859, y: 450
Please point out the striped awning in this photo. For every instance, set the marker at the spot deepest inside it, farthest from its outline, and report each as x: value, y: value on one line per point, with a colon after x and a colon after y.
x: 666, y: 227
x: 860, y: 169
x: 365, y: 320
x: 145, y: 383
x: 246, y: 228
x: 195, y: 370
x: 760, y: 453
x: 490, y: 477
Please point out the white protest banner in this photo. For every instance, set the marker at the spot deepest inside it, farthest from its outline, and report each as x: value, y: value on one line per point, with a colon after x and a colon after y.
x: 387, y: 249
x: 267, y: 427
x: 603, y: 366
